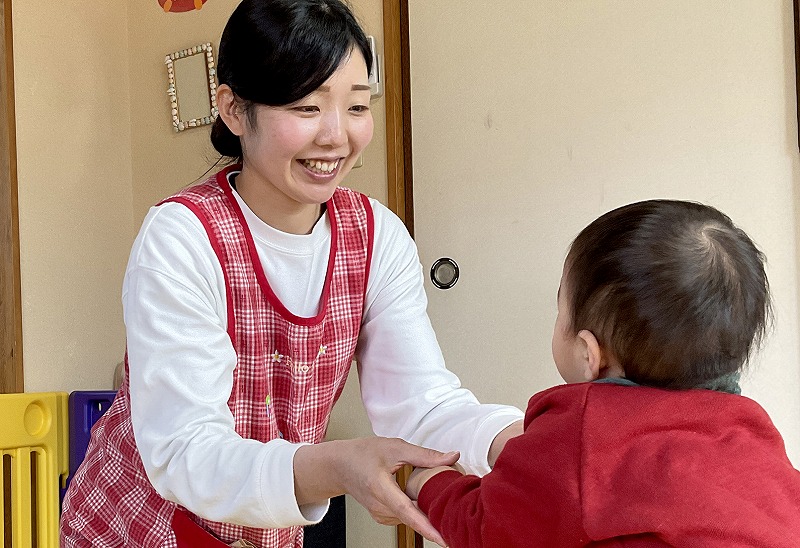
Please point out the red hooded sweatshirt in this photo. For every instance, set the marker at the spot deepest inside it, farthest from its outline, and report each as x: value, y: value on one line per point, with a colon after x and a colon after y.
x: 606, y: 465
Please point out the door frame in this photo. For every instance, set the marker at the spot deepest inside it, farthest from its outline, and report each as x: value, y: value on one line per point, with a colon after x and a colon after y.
x: 11, y: 372
x: 400, y: 176
x: 398, y: 110
x: 796, y: 14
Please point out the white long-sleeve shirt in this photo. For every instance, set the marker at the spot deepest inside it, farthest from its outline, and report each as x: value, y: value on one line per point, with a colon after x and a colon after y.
x: 181, y: 362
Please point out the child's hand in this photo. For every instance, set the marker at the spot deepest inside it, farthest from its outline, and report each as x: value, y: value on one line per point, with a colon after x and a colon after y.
x: 421, y: 475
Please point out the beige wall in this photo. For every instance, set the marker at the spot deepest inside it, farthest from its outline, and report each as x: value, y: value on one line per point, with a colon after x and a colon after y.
x: 74, y: 158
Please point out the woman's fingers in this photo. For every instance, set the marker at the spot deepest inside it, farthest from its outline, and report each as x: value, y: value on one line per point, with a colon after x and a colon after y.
x: 378, y: 459
x: 363, y: 468
x: 393, y: 507
x: 420, y: 457
x: 410, y: 514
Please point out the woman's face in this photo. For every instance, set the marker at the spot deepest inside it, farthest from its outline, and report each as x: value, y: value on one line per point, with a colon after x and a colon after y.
x: 299, y: 153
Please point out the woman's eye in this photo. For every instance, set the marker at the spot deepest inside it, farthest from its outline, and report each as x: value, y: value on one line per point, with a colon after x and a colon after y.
x: 359, y: 108
x: 307, y: 109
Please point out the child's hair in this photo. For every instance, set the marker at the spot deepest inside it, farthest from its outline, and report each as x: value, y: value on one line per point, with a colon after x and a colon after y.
x: 275, y: 52
x: 672, y: 289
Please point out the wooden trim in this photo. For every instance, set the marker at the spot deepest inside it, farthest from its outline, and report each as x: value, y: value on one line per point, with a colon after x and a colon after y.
x: 397, y: 93
x: 11, y: 374
x: 406, y: 536
x: 796, y: 8
x: 398, y: 110
x: 393, y: 98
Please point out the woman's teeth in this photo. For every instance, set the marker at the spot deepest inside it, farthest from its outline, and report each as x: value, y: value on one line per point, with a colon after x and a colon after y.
x: 321, y: 167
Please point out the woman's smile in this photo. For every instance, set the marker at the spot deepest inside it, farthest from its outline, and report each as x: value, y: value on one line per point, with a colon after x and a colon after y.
x: 323, y: 167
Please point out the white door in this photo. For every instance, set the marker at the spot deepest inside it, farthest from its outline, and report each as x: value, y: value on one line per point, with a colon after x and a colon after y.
x: 532, y: 117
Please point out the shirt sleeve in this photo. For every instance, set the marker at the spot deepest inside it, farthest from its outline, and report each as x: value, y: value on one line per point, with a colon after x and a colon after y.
x: 531, y: 497
x: 181, y: 363
x: 406, y: 388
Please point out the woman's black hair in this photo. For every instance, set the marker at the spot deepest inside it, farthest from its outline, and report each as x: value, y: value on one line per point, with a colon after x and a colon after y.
x: 275, y: 52
x: 672, y: 289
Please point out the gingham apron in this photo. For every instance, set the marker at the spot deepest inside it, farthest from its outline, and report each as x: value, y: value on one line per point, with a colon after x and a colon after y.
x: 290, y: 372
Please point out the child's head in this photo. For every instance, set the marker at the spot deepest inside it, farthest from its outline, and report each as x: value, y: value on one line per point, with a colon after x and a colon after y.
x: 276, y: 52
x: 666, y: 293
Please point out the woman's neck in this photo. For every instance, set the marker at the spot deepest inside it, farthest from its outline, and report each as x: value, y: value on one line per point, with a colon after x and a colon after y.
x: 275, y: 208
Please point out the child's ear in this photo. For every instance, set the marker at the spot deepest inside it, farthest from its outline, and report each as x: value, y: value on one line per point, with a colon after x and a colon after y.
x: 592, y: 355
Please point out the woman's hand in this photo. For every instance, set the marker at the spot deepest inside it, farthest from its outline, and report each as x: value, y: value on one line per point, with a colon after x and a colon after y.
x: 363, y: 468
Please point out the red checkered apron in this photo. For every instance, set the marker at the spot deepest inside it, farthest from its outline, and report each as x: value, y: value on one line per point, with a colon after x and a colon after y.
x: 297, y: 364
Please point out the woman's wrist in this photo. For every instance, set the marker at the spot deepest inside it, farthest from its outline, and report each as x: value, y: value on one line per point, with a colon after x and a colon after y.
x: 315, y: 477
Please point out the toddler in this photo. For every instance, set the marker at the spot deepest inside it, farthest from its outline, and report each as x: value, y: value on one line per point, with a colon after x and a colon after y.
x: 661, y: 304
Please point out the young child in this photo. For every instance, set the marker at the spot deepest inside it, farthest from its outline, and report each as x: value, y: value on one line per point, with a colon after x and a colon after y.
x: 660, y: 305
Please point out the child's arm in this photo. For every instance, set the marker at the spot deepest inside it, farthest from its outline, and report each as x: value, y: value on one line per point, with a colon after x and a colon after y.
x: 420, y: 476
x: 532, y: 492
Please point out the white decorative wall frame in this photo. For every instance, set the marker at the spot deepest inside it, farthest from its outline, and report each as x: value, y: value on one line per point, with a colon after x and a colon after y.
x: 192, y: 86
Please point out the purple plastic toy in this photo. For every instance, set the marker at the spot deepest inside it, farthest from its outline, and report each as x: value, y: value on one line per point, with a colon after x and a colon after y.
x: 85, y: 407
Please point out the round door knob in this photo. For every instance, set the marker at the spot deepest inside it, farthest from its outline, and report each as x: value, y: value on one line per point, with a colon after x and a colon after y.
x: 444, y: 273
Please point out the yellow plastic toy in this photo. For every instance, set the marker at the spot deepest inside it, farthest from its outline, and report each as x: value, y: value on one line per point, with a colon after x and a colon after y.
x: 34, y: 444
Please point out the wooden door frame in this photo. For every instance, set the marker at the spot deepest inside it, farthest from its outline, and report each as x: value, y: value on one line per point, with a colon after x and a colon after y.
x: 11, y: 373
x: 397, y: 93
x: 796, y: 14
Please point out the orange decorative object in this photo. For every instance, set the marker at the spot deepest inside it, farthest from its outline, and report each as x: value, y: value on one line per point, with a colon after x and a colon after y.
x: 175, y: 6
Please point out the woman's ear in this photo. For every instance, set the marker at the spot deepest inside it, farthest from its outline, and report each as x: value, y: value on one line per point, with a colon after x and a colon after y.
x: 230, y: 111
x: 592, y: 359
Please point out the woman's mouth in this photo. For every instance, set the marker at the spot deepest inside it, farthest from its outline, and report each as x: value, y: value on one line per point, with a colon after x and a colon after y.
x: 321, y: 167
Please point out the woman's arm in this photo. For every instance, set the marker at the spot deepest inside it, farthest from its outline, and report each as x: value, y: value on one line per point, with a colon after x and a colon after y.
x: 407, y: 390
x: 181, y: 363
x: 180, y: 369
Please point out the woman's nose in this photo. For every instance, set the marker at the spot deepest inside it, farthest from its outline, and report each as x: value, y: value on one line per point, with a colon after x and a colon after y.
x: 332, y: 131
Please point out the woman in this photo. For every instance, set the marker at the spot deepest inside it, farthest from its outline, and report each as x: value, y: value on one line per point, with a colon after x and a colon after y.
x: 246, y: 298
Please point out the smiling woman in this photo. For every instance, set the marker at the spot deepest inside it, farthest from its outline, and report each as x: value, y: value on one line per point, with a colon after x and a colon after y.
x: 246, y: 299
